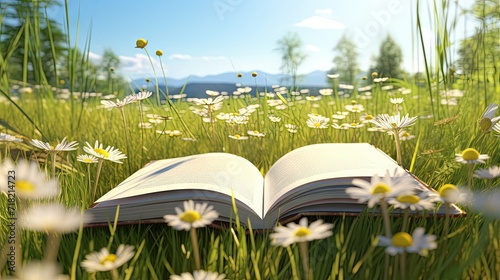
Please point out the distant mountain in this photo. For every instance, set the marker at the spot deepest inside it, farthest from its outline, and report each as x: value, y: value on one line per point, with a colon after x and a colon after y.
x: 316, y: 78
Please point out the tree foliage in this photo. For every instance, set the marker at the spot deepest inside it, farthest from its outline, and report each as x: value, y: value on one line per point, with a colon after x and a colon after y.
x: 390, y: 59
x: 346, y: 61
x: 292, y: 56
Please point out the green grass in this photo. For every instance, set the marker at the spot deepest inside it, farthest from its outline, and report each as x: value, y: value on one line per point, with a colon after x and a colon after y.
x: 472, y: 250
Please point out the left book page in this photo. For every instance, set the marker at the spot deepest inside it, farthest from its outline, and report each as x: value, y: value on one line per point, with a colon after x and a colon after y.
x: 156, y: 189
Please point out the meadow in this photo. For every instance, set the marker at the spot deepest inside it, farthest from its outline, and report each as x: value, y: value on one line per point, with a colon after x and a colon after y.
x: 261, y: 128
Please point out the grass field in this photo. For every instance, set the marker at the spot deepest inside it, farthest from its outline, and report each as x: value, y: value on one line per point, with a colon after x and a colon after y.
x: 449, y: 120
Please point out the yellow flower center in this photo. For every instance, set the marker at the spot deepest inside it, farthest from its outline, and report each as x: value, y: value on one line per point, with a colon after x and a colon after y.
x: 368, y: 117
x: 354, y: 124
x: 447, y: 190
x: 109, y: 258
x: 256, y: 131
x: 237, y: 136
x: 317, y: 124
x: 406, y: 134
x: 302, y: 231
x: 470, y: 154
x: 353, y: 102
x: 101, y: 152
x: 485, y: 124
x: 394, y: 124
x: 190, y: 216
x: 87, y: 160
x: 380, y: 188
x: 412, y: 199
x: 355, y: 108
x: 159, y: 53
x: 25, y: 186
x: 402, y: 239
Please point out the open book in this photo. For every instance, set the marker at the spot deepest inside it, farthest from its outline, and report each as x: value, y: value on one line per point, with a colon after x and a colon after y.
x: 310, y: 180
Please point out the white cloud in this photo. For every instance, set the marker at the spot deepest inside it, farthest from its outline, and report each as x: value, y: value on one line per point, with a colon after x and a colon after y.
x: 94, y: 57
x: 326, y: 11
x: 180, y: 56
x: 138, y: 65
x: 318, y: 22
x: 312, y: 48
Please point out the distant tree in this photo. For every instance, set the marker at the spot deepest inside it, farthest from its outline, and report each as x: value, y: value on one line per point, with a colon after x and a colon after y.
x: 390, y: 60
x: 292, y: 56
x: 479, y: 54
x: 346, y: 61
x: 31, y: 44
x: 108, y: 67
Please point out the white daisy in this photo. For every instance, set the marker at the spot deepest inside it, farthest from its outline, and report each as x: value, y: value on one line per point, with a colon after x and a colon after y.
x: 9, y: 138
x: 51, y: 218
x: 87, y: 159
x: 395, y: 123
x: 487, y: 203
x: 106, y: 261
x: 333, y: 76
x: 26, y: 180
x: 36, y: 270
x: 449, y: 193
x: 365, y: 118
x: 488, y: 121
x: 194, y: 216
x: 274, y: 119
x: 326, y: 91
x: 396, y: 101
x: 63, y: 146
x: 317, y: 122
x: 238, y: 137
x: 471, y: 156
x: 405, y: 135
x: 256, y: 133
x: 379, y: 188
x: 355, y: 108
x: 490, y: 173
x: 496, y: 128
x: 313, y: 98
x: 141, y: 95
x: 294, y: 233
x: 171, y: 133
x: 199, y: 275
x: 418, y: 242
x: 209, y: 102
x: 107, y: 104
x: 412, y: 201
x: 110, y: 153
x: 291, y: 128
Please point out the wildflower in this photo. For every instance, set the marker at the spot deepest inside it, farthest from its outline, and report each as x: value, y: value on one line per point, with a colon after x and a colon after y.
x: 51, y: 218
x: 171, y: 133
x: 141, y: 95
x: 9, y: 138
x: 63, y: 146
x: 159, y: 52
x: 340, y: 115
x: 254, y: 74
x: 317, y: 122
x: 105, y: 261
x: 395, y: 123
x: 30, y: 182
x: 396, y: 101
x: 238, y: 137
x: 490, y: 173
x: 194, y: 216
x: 212, y: 92
x: 355, y: 108
x: 274, y: 119
x: 108, y: 104
x: 412, y: 201
x: 208, y: 101
x: 326, y: 91
x: 405, y: 135
x: 418, y: 242
x: 110, y: 153
x: 333, y: 76
x: 344, y: 126
x: 365, y: 118
x: 496, y: 128
x: 256, y: 133
x: 488, y: 121
x: 379, y: 188
x: 295, y: 233
x: 111, y: 69
x: 87, y: 159
x: 471, y: 156
x: 199, y: 275
x: 487, y: 203
x: 313, y: 98
x: 141, y: 43
x: 37, y: 270
x: 239, y: 75
x: 449, y: 193
x: 291, y: 128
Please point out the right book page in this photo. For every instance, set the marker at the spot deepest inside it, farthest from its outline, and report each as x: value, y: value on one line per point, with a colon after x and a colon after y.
x: 318, y: 175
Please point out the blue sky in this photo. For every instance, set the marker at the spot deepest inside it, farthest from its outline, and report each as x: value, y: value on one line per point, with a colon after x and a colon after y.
x: 214, y: 36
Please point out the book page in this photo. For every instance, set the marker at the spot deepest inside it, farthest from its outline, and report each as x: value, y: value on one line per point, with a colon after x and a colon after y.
x: 215, y: 173
x: 321, y: 162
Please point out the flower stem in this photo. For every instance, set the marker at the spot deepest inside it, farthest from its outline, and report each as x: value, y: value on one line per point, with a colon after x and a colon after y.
x: 114, y: 274
x: 405, y: 220
x: 99, y: 166
x: 122, y: 112
x: 403, y: 265
x: 53, y: 159
x: 156, y: 78
x: 196, y: 250
x: 52, y: 247
x: 304, y: 252
x: 470, y: 170
x: 385, y: 215
x: 398, y: 147
x: 446, y: 226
